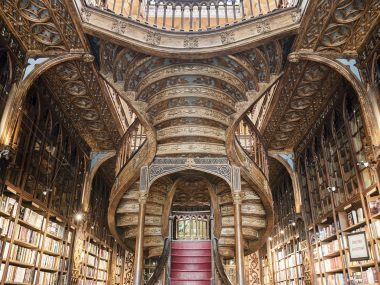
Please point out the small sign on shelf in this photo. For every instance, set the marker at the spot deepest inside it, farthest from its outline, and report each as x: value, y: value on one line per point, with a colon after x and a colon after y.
x: 358, y: 246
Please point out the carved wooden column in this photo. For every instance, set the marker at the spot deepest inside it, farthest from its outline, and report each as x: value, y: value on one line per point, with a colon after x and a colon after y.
x: 173, y: 15
x: 139, y: 9
x: 242, y: 9
x: 130, y: 9
x: 155, y: 13
x: 164, y: 20
x: 234, y: 9
x: 139, y: 249
x: 182, y: 16
x: 200, y: 17
x: 208, y: 16
x: 191, y: 18
x: 225, y: 12
x: 217, y: 14
x: 239, y: 240
x: 147, y: 11
x: 259, y: 5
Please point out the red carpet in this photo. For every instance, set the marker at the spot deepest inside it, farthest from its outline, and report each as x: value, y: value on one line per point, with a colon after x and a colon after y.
x: 191, y: 263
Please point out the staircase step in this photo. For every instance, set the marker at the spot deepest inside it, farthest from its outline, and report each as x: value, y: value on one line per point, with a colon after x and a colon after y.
x: 191, y: 266
x: 191, y: 252
x: 175, y: 281
x: 191, y: 245
x: 191, y: 275
x: 191, y: 259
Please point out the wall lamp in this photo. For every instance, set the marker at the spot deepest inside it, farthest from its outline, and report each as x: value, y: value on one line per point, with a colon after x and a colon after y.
x: 364, y: 164
x: 331, y: 189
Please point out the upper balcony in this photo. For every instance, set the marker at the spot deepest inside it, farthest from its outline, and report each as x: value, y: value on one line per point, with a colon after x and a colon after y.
x: 191, y: 15
x: 190, y: 29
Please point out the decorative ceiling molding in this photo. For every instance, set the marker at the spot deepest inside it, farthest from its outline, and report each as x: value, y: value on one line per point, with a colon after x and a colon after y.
x: 330, y: 28
x: 42, y: 26
x: 301, y: 96
x: 341, y: 25
x: 76, y: 87
x: 18, y: 52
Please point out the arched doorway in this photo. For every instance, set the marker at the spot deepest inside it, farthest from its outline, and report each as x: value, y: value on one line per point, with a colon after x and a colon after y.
x: 191, y: 209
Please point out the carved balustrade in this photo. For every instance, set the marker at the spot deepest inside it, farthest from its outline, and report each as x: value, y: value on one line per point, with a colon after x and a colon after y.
x: 124, y: 113
x: 130, y: 143
x: 250, y: 140
x: 191, y: 15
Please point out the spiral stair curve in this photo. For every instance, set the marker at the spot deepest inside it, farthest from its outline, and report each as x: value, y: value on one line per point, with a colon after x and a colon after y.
x: 191, y: 108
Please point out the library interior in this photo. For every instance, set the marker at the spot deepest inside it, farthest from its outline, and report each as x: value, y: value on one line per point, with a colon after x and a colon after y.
x: 189, y: 142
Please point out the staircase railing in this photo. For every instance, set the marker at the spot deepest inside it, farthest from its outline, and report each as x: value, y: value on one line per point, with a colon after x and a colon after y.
x: 130, y: 143
x: 161, y: 262
x: 191, y: 15
x: 251, y: 142
x: 218, y: 263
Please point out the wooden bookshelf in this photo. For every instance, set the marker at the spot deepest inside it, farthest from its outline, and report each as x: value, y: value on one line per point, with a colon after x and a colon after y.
x: 35, y: 242
x: 286, y: 247
x: 339, y: 196
x: 95, y: 262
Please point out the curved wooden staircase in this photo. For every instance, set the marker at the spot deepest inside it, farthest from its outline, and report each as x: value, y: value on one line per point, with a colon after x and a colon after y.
x: 191, y: 108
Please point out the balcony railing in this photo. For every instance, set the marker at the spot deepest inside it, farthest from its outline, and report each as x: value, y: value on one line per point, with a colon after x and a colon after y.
x: 250, y: 140
x: 124, y: 113
x: 191, y: 15
x: 130, y: 143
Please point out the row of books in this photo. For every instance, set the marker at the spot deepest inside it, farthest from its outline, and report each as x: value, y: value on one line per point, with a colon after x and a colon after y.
x: 6, y: 226
x: 103, y: 264
x: 103, y: 253
x: 368, y: 276
x: 20, y: 254
x: 90, y: 282
x: 280, y: 265
x: 31, y: 217
x: 46, y: 278
x: 21, y: 275
x: 328, y: 265
x: 53, y: 245
x: 326, y: 231
x: 373, y: 205
x: 28, y: 236
x: 50, y: 262
x: 56, y: 229
x: 329, y: 248
x: 8, y: 206
x: 349, y: 219
x: 333, y: 279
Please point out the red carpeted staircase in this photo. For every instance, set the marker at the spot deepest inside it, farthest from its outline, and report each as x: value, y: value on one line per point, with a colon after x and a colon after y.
x: 191, y: 263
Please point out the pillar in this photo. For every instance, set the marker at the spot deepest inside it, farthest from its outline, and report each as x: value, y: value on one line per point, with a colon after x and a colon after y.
x: 139, y: 248
x: 239, y: 240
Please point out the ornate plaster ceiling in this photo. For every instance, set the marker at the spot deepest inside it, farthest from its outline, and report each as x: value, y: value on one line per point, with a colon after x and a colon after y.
x: 76, y: 87
x: 191, y: 192
x: 42, y: 25
x: 191, y: 103
x: 340, y: 26
x: 302, y: 96
x: 330, y: 28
